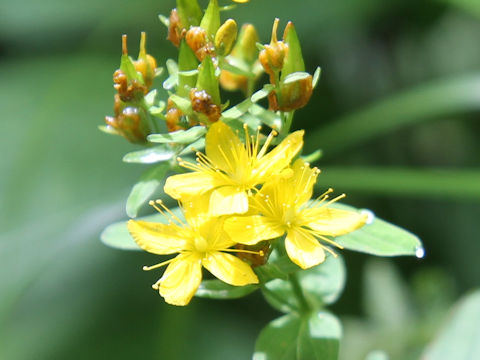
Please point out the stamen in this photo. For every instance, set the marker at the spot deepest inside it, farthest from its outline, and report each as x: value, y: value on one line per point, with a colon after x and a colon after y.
x: 266, y: 144
x: 148, y: 268
x: 261, y: 253
x: 170, y: 212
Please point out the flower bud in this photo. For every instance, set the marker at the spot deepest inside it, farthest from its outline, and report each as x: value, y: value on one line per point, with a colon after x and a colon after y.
x: 145, y: 64
x: 129, y: 121
x: 225, y: 37
x: 196, y: 39
x: 246, y: 46
x: 295, y: 94
x: 173, y: 117
x: 175, y: 28
x: 203, y: 103
x: 272, y: 56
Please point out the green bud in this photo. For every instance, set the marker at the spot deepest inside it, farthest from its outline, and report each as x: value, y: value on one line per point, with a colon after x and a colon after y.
x: 293, y: 60
x: 225, y: 37
x: 211, y: 19
x: 186, y: 62
x: 207, y: 80
x: 189, y: 13
x: 246, y: 46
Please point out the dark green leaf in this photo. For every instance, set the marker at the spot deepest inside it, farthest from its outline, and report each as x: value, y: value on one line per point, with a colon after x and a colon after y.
x: 439, y: 183
x: 379, y: 237
x: 217, y: 289
x: 147, y: 186
x: 151, y: 155
x: 180, y: 136
x: 431, y: 101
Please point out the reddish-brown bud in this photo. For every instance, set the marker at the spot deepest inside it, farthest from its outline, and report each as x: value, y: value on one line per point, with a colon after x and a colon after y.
x: 295, y: 95
x: 273, y: 55
x: 129, y: 121
x: 175, y: 29
x: 196, y: 39
x: 128, y: 92
x: 173, y: 117
x: 202, y: 103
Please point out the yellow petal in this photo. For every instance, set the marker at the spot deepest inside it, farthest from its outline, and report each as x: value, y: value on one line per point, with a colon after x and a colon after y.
x: 224, y: 148
x: 189, y: 184
x: 196, y: 209
x: 228, y: 200
x: 303, y: 249
x: 212, y: 230
x: 249, y: 230
x: 158, y: 238
x: 333, y: 222
x: 280, y: 157
x: 181, y: 279
x: 229, y: 269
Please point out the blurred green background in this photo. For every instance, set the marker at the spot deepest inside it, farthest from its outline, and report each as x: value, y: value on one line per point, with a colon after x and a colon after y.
x: 396, y: 114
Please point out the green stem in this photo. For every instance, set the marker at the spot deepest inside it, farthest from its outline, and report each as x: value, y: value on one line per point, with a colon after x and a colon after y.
x: 304, y: 307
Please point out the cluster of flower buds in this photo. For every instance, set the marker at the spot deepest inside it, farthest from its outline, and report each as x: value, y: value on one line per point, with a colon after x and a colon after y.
x: 281, y: 59
x: 132, y: 81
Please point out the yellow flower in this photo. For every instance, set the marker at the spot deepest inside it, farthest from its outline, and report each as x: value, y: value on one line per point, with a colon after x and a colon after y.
x: 199, y: 241
x: 282, y: 205
x: 230, y: 169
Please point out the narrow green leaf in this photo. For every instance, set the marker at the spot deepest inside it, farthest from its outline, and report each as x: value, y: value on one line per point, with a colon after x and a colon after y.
x: 319, y: 337
x: 108, y: 130
x: 299, y: 75
x: 217, y: 289
x: 151, y: 155
x: 311, y: 158
x: 438, y: 183
x: 262, y: 93
x: 294, y: 59
x: 180, y: 136
x: 148, y: 185
x: 321, y: 284
x: 316, y: 76
x: 193, y: 147
x: 460, y: 337
x: 238, y: 110
x: 181, y: 103
x: 269, y: 118
x: 426, y: 102
x: 379, y: 237
x: 186, y: 62
x: 117, y: 236
x: 126, y: 65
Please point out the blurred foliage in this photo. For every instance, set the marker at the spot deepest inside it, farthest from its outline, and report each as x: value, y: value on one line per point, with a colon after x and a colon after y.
x: 405, y: 73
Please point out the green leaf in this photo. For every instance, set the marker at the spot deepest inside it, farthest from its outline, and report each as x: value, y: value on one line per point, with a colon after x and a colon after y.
x: 180, y: 136
x: 438, y: 183
x: 238, y: 110
x: 319, y: 337
x: 321, y: 284
x: 311, y: 158
x: 108, y: 130
x: 149, y: 183
x: 459, y: 338
x: 151, y: 155
x: 426, y: 102
x: 117, y: 236
x: 217, y: 289
x: 376, y: 355
x: 290, y: 337
x: 193, y: 147
x: 278, y: 340
x: 299, y: 75
x: 379, y: 237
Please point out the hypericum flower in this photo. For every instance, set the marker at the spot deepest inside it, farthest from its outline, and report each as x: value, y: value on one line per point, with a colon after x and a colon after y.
x: 282, y: 203
x: 199, y: 241
x: 231, y: 169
